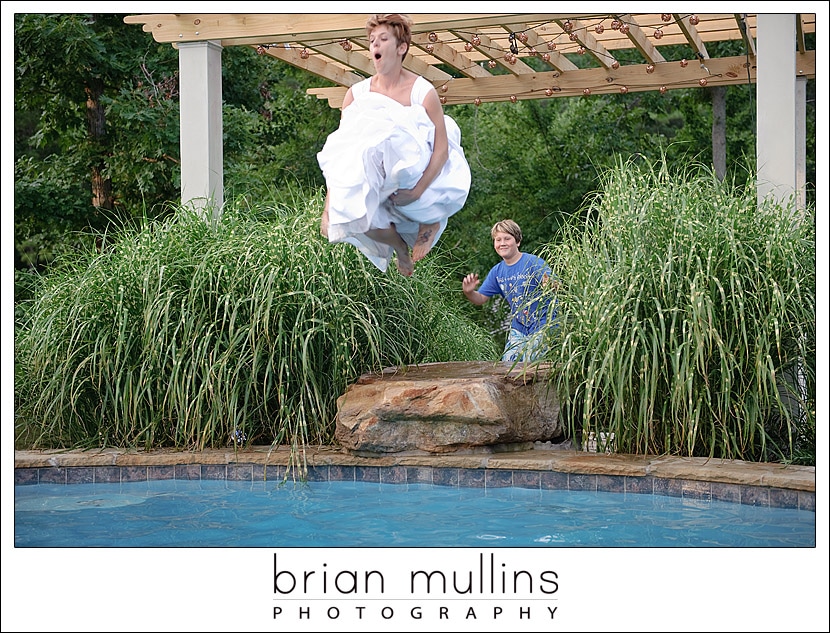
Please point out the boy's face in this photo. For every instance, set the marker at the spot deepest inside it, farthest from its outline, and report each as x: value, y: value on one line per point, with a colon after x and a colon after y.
x: 506, y: 245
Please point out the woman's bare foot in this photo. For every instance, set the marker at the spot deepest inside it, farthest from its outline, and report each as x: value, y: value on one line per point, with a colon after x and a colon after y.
x: 406, y: 266
x: 423, y: 243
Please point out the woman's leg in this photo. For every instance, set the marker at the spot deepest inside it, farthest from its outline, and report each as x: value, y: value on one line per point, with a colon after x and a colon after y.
x: 324, y: 220
x: 423, y: 243
x: 391, y: 237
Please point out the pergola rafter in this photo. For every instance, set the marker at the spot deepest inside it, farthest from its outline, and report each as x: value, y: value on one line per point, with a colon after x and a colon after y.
x: 469, y: 56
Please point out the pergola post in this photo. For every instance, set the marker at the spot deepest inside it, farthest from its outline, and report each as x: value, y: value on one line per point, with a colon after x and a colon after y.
x: 781, y: 119
x: 200, y: 115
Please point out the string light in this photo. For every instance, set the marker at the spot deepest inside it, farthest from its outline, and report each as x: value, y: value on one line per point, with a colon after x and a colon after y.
x: 512, y: 55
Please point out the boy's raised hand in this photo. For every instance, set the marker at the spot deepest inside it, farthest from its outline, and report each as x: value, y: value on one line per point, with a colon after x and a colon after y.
x: 470, y: 282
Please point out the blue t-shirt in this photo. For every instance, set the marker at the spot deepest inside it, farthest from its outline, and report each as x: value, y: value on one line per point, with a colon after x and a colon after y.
x: 518, y: 284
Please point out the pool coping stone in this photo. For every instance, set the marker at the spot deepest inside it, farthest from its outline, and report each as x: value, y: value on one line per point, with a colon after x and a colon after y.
x: 693, y: 478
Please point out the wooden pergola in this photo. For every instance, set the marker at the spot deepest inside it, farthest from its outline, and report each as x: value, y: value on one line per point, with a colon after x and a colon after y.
x: 480, y: 58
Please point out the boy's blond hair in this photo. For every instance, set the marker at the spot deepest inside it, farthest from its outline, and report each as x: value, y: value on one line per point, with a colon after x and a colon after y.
x: 509, y: 227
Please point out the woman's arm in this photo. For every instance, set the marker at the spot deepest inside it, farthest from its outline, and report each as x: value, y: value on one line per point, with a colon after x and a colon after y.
x: 440, y: 151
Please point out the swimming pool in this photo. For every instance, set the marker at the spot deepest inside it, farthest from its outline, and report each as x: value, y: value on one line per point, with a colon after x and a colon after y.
x: 225, y: 513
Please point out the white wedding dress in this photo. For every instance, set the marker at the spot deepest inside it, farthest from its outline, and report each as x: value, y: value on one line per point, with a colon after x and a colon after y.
x: 379, y: 147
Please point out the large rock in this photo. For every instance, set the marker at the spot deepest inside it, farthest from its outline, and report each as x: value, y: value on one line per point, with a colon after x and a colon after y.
x: 447, y: 407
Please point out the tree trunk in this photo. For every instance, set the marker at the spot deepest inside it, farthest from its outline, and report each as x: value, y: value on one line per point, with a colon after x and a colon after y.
x: 96, y: 122
x: 719, y: 130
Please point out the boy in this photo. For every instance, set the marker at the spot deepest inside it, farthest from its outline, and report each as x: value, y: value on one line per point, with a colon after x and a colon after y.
x: 518, y: 278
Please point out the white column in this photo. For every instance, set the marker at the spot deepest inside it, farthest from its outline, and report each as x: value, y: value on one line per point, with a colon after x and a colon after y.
x: 200, y: 116
x: 777, y: 124
x: 801, y: 141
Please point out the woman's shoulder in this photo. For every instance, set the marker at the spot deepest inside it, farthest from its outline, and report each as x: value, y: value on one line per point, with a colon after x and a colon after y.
x: 361, y: 87
x: 420, y: 89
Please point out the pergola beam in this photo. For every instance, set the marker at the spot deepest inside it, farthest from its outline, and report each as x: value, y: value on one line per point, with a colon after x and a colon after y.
x: 726, y: 71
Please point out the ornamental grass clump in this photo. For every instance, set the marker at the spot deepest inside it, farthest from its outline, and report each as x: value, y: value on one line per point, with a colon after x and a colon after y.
x: 688, y: 318
x: 194, y: 333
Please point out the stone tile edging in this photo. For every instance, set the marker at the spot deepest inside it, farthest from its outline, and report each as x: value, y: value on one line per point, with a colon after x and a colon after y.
x: 766, y: 484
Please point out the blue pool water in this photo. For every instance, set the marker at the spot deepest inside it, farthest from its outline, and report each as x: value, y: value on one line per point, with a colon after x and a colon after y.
x: 220, y: 513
